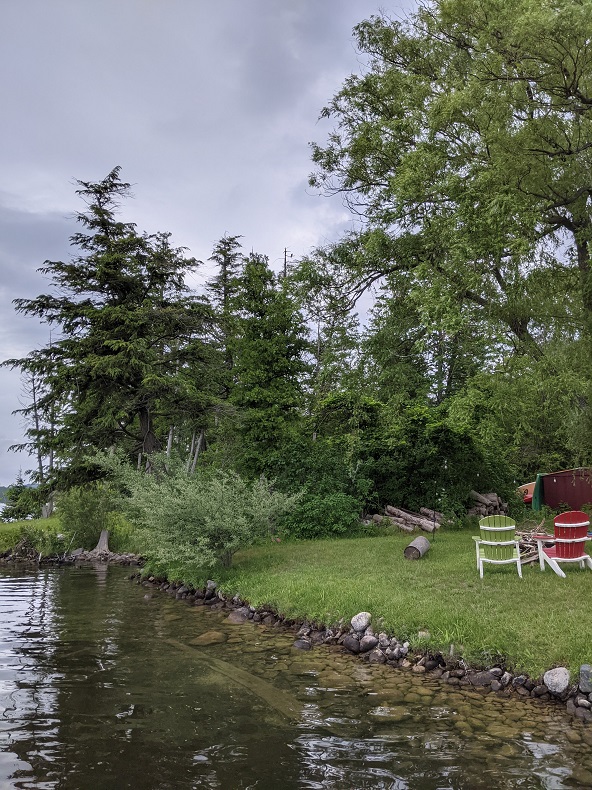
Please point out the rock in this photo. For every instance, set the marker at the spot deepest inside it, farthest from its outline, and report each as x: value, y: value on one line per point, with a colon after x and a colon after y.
x: 505, y: 679
x: 557, y: 680
x: 519, y: 680
x: 584, y: 714
x: 582, y: 702
x: 419, y: 669
x: 302, y: 644
x: 209, y: 638
x: 538, y: 691
x: 368, y: 643
x: 361, y: 621
x: 523, y: 691
x: 481, y: 679
x: 351, y: 643
x: 269, y: 619
x: 431, y: 664
x: 238, y: 616
x: 496, y: 685
x: 585, y: 684
x: 376, y: 657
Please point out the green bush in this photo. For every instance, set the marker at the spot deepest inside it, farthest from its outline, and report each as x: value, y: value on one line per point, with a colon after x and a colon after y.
x: 204, y: 518
x: 46, y: 537
x: 84, y: 511
x: 323, y: 516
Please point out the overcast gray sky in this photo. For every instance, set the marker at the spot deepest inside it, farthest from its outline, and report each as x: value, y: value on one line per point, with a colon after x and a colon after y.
x: 207, y: 105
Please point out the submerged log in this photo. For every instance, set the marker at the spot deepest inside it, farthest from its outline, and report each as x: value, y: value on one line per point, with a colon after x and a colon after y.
x: 417, y: 548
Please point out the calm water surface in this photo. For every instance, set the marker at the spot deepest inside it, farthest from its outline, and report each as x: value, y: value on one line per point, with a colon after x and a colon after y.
x: 102, y: 686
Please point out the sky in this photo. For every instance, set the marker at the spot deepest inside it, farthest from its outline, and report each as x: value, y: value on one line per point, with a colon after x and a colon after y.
x: 208, y: 106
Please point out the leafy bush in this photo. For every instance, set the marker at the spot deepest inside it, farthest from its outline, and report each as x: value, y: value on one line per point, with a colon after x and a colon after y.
x: 86, y: 510
x: 206, y: 517
x: 323, y: 516
x: 46, y: 537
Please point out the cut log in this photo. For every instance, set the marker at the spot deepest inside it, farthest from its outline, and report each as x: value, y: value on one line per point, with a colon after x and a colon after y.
x: 479, y: 498
x: 417, y: 548
x: 397, y: 522
x: 102, y: 546
x: 418, y: 521
x: 432, y: 515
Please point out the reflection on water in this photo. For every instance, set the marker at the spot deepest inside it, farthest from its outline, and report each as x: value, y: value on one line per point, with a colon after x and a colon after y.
x: 103, y: 686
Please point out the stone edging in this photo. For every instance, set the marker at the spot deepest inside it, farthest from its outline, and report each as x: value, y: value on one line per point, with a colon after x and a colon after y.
x: 358, y: 638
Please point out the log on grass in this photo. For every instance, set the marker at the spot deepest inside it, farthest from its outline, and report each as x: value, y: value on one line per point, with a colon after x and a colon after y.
x: 397, y: 522
x: 432, y: 515
x: 409, y: 518
x: 417, y: 548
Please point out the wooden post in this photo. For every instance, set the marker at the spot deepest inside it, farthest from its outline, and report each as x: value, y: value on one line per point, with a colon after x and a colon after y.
x: 417, y: 548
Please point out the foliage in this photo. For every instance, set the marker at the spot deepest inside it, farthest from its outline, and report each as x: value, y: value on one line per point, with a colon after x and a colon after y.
x: 84, y: 511
x: 268, y: 363
x: 22, y: 501
x: 206, y: 517
x: 318, y: 516
x: 130, y: 351
x: 46, y: 537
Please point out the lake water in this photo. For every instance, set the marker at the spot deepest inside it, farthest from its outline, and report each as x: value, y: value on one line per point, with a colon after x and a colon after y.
x: 104, y: 684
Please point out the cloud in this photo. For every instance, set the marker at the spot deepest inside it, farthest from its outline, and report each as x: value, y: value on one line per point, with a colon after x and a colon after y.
x: 209, y: 107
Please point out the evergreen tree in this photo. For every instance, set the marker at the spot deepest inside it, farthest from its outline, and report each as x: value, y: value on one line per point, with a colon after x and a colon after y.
x: 132, y: 349
x: 21, y: 502
x: 268, y: 366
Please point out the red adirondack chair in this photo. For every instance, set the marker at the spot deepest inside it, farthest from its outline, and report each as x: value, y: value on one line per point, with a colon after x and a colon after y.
x: 569, y: 538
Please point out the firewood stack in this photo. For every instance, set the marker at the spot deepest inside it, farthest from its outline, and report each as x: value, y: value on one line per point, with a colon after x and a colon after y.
x: 409, y: 521
x: 487, y: 505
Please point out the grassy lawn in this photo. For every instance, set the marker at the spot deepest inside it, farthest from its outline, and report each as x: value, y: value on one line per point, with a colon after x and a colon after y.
x: 537, y: 622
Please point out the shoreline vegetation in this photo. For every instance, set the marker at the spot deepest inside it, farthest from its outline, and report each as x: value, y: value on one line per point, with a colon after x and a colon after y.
x: 437, y: 605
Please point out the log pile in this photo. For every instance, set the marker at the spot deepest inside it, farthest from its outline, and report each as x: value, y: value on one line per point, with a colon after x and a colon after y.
x: 487, y: 505
x: 409, y: 521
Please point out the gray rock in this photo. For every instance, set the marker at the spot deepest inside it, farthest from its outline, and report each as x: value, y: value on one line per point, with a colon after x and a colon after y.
x: 519, y: 680
x: 496, y: 685
x: 481, y: 679
x: 571, y: 707
x: 238, y: 616
x: 538, y: 691
x: 302, y: 644
x: 351, y: 643
x: 361, y: 621
x: 496, y: 672
x: 383, y: 640
x: 505, y: 679
x: 377, y: 657
x: 582, y: 702
x: 368, y: 643
x: 583, y: 714
x: 585, y: 683
x: 557, y: 680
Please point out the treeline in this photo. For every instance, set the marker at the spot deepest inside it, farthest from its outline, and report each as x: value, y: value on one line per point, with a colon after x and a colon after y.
x: 464, y: 147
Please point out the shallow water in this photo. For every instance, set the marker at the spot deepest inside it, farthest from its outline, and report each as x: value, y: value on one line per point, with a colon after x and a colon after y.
x: 103, y: 685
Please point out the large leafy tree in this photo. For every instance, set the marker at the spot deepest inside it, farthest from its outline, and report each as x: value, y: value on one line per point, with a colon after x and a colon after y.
x: 131, y: 350
x: 467, y: 142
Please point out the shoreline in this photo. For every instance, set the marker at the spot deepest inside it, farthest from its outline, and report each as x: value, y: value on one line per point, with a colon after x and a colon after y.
x: 357, y: 638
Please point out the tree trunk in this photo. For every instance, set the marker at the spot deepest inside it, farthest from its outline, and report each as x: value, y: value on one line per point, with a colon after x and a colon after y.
x: 103, y: 544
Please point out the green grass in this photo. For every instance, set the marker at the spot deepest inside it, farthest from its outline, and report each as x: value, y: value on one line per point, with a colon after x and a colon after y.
x: 534, y: 623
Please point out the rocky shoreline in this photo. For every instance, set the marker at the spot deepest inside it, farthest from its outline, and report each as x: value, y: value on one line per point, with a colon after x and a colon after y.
x: 359, y: 638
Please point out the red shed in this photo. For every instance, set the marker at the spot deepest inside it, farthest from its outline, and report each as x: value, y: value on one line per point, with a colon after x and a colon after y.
x: 571, y: 487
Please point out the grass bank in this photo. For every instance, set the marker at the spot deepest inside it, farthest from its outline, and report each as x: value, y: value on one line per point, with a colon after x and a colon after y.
x: 535, y: 622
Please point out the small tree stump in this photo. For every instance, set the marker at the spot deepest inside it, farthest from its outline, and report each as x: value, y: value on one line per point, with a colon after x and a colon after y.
x: 417, y: 548
x: 102, y: 546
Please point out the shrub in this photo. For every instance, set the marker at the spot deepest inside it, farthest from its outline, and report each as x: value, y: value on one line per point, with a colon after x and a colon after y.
x: 205, y: 517
x: 84, y: 511
x: 323, y: 516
